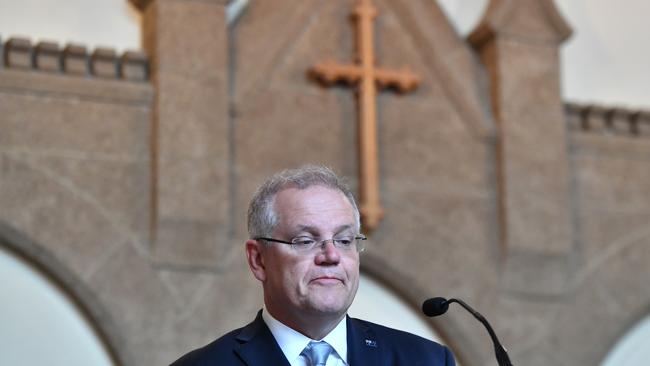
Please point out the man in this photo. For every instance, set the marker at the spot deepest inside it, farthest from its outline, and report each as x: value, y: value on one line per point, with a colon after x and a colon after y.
x: 304, y: 248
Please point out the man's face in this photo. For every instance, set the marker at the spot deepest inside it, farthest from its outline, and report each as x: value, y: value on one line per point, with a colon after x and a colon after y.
x: 320, y: 283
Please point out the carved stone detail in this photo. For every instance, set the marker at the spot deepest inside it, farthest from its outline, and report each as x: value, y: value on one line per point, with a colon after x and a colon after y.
x: 75, y: 59
x: 103, y: 63
x: 19, y: 53
x: 47, y: 57
x: 607, y: 120
x: 134, y: 66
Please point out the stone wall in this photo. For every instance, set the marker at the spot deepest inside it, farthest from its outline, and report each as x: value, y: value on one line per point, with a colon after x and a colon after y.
x: 76, y: 178
x: 126, y: 177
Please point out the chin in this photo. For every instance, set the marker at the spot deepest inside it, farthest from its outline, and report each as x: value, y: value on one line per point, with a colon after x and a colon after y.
x: 331, y: 306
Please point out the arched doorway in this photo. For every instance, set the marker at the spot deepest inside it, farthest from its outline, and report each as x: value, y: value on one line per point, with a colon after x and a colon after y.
x: 633, y: 349
x: 40, y: 323
x: 377, y: 303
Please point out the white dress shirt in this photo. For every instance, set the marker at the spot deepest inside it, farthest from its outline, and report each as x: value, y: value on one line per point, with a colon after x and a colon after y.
x: 292, y: 342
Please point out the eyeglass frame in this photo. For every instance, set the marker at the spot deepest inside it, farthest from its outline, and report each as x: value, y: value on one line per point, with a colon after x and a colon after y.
x: 318, y: 243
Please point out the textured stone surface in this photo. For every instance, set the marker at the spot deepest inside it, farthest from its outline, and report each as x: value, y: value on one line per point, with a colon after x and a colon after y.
x: 135, y: 66
x: 134, y: 293
x: 75, y: 60
x: 599, y: 119
x: 612, y: 176
x: 75, y: 168
x: 19, y: 53
x: 539, y: 171
x: 73, y: 89
x: 113, y: 131
x: 47, y: 57
x: 188, y: 49
x: 640, y: 123
x: 519, y: 45
x: 103, y: 63
x: 134, y: 195
x: 78, y: 236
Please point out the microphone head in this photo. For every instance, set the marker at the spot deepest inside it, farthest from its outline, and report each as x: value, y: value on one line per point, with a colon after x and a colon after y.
x: 434, y: 307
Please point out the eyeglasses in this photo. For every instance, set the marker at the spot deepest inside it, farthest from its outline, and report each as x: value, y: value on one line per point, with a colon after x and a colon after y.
x: 306, y: 244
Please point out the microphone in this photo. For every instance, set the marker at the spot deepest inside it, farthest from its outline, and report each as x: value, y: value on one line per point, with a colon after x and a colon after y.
x: 434, y: 307
x: 439, y: 305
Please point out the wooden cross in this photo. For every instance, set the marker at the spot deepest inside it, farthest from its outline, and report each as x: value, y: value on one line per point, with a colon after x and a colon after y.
x: 368, y: 79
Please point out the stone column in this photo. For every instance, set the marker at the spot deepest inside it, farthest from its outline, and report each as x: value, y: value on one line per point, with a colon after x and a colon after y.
x: 188, y: 46
x: 518, y: 41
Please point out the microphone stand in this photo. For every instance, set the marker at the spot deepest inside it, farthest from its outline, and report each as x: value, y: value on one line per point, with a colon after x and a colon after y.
x: 499, y: 351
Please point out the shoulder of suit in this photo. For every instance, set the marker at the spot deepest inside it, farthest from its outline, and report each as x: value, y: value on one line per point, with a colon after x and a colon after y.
x: 217, y: 348
x: 382, y: 331
x: 405, y: 346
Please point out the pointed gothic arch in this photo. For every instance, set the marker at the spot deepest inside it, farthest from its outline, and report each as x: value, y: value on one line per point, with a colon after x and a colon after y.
x: 72, y: 288
x: 613, y: 286
x: 414, y: 293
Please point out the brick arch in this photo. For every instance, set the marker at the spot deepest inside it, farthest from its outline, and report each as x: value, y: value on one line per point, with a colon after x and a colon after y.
x: 74, y: 289
x: 463, y: 344
x: 611, y: 296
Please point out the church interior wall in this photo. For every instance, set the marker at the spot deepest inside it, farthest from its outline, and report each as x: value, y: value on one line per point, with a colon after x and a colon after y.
x: 612, y: 211
x: 78, y: 177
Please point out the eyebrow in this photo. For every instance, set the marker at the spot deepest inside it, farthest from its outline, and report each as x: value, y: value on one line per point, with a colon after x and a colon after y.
x: 313, y: 229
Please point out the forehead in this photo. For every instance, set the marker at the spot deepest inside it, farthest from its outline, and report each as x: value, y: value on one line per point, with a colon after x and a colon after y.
x: 315, y: 207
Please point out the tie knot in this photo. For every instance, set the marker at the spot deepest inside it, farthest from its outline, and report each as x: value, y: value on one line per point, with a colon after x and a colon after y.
x: 317, y: 353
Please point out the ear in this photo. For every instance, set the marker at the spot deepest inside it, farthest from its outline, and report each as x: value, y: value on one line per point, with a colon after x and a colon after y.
x: 254, y: 255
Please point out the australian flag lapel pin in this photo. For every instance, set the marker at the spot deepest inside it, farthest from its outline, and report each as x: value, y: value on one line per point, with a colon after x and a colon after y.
x: 371, y: 343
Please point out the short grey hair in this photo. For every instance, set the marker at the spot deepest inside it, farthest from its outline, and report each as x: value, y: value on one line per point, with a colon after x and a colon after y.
x: 262, y: 218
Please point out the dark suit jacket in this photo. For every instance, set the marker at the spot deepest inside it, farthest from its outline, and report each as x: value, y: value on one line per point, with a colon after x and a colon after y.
x: 369, y: 344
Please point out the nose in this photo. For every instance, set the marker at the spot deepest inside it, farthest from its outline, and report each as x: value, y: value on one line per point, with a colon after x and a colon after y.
x: 329, y: 254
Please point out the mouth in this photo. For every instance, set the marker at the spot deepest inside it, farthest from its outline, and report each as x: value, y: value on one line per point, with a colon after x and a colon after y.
x: 326, y: 280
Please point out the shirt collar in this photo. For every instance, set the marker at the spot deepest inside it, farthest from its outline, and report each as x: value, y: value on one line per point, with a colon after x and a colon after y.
x: 292, y: 342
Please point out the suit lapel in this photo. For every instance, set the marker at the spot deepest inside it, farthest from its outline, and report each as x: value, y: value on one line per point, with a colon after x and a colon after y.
x: 258, y: 346
x: 363, y: 346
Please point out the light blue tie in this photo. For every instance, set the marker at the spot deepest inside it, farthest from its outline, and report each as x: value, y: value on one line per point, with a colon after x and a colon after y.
x: 317, y: 353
